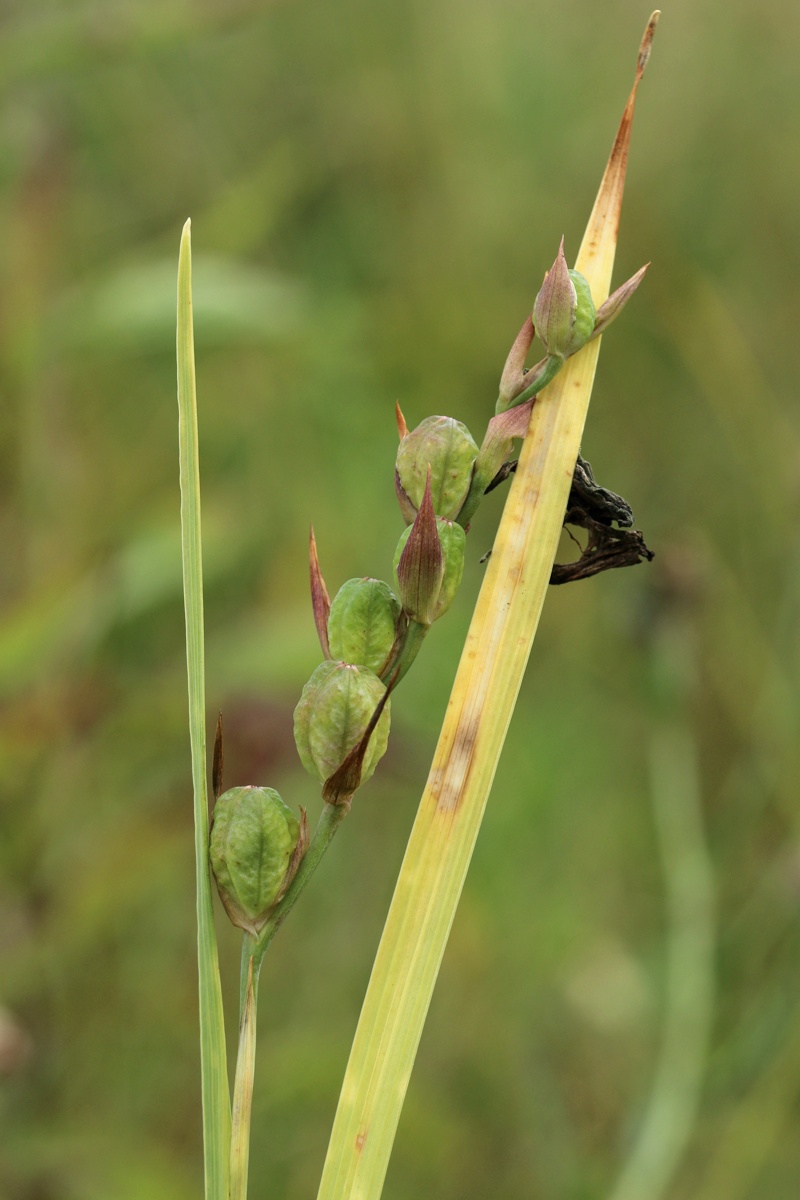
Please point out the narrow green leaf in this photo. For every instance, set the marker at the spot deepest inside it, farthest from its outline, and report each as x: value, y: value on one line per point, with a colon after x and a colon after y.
x: 213, y: 1061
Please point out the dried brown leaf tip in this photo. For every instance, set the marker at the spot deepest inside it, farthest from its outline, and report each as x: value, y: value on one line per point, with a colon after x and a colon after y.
x: 647, y: 44
x: 599, y: 242
x: 320, y: 599
x: 402, y: 428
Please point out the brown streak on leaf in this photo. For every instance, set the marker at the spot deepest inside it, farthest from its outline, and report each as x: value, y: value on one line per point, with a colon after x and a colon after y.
x: 450, y: 787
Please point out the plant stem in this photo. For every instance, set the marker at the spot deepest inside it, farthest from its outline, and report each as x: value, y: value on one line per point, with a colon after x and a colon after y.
x: 480, y: 708
x: 253, y: 951
x: 248, y: 947
x: 213, y: 1064
x: 243, y: 1084
x: 550, y: 368
x: 412, y: 641
x: 327, y: 827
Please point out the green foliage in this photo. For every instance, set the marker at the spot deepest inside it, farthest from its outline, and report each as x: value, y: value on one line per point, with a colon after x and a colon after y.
x: 387, y: 182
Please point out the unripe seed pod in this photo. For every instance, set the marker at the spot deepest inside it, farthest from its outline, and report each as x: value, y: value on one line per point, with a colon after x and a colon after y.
x: 585, y: 312
x: 362, y: 625
x: 251, y: 848
x: 452, y: 539
x: 448, y: 448
x: 332, y: 716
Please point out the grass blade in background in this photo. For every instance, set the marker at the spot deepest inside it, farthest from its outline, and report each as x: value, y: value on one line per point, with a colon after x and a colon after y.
x: 213, y: 1063
x: 480, y: 708
x: 669, y: 1116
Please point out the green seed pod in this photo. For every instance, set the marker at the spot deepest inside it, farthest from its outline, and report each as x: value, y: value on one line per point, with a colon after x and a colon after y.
x: 585, y: 312
x: 448, y: 448
x: 252, y: 851
x: 452, y: 539
x: 362, y: 625
x: 332, y: 716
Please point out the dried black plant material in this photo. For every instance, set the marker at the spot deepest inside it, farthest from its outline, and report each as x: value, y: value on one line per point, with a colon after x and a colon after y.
x: 606, y: 517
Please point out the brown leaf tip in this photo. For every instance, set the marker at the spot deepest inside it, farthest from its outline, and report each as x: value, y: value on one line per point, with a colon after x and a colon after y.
x: 647, y: 44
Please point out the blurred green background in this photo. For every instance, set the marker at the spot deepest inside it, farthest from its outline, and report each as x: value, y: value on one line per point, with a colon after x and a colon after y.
x: 376, y: 190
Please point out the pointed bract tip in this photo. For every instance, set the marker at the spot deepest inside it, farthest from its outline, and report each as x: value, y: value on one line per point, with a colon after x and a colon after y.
x: 610, y: 309
x: 218, y: 760
x: 512, y: 381
x: 320, y: 600
x: 402, y: 428
x: 420, y: 567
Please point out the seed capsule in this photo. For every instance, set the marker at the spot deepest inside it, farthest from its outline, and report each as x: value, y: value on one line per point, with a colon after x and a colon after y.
x: 332, y: 715
x: 448, y: 448
x: 453, y: 539
x: 585, y: 312
x: 362, y: 625
x: 252, y: 847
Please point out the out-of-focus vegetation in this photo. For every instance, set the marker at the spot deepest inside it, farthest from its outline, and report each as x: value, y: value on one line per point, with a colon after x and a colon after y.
x: 376, y: 190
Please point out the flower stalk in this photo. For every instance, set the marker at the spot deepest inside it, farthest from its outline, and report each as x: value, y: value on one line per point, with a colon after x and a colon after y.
x: 480, y: 708
x: 243, y: 1086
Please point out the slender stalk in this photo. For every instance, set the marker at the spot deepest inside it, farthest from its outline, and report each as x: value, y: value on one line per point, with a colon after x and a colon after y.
x: 550, y: 367
x: 398, y: 667
x: 213, y: 1065
x: 479, y: 711
x: 248, y: 947
x: 253, y: 951
x: 243, y: 1086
